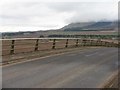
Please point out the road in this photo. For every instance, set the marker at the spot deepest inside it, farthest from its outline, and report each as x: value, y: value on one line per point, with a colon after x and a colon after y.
x: 81, y: 69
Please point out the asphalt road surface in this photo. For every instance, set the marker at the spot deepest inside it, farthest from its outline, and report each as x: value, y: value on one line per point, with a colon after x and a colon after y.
x: 81, y: 69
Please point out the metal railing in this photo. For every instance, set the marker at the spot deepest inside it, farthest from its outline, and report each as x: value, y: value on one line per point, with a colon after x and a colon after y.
x: 21, y: 45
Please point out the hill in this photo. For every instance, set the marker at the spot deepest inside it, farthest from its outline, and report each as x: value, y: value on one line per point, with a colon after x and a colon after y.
x: 90, y: 26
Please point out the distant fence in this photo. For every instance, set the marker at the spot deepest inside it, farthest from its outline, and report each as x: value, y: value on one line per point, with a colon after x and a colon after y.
x: 22, y: 45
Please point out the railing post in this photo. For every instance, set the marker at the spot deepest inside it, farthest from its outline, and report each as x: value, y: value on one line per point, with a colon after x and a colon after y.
x: 91, y: 41
x: 80, y: 42
x: 101, y: 43
x: 36, y: 45
x: 118, y: 45
x: 111, y: 44
x: 87, y: 42
x: 12, y: 47
x: 106, y: 44
x: 66, y: 45
x: 76, y: 42
x: 84, y: 42
x: 115, y: 45
x: 53, y: 47
x: 97, y: 42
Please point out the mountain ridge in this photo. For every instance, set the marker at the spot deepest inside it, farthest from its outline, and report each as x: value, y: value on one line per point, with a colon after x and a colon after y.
x: 81, y: 26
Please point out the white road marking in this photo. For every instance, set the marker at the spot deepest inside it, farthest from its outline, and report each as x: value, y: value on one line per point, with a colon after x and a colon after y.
x: 72, y: 54
x: 92, y: 54
x: 101, y: 54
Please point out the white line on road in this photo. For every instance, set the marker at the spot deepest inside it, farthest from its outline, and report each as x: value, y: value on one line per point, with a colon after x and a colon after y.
x: 72, y: 54
x: 92, y: 54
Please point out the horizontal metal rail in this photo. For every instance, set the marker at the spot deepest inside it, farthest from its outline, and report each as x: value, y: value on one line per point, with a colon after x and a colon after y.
x: 44, y: 38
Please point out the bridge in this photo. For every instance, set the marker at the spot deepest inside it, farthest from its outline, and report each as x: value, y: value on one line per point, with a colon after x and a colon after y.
x: 70, y: 63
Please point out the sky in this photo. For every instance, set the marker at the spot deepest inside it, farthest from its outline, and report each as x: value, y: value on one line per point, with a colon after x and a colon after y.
x: 33, y: 15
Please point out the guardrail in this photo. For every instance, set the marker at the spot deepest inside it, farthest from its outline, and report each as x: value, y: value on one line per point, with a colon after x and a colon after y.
x: 21, y: 45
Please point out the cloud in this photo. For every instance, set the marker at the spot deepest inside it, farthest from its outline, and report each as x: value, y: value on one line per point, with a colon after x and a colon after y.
x: 48, y: 15
x: 85, y: 12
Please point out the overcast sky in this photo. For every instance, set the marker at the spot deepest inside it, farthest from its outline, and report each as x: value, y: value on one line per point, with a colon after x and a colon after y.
x: 32, y: 15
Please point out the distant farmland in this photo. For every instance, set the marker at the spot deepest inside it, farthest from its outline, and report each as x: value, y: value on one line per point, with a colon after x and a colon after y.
x: 42, y: 34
